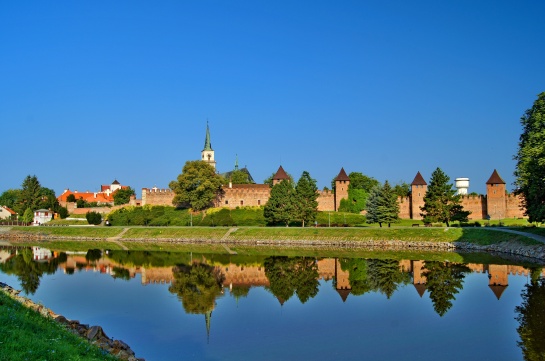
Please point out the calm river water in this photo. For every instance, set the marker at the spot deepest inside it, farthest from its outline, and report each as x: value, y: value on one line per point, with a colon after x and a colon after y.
x: 189, y: 306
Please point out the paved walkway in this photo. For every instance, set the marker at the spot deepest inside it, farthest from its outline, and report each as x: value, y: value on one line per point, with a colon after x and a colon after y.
x: 525, y: 234
x: 117, y: 238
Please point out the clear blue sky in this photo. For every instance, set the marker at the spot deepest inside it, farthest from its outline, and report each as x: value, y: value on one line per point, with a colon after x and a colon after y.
x: 92, y: 91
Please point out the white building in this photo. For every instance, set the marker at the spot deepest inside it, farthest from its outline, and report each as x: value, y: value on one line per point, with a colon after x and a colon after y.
x: 42, y: 216
x: 6, y: 213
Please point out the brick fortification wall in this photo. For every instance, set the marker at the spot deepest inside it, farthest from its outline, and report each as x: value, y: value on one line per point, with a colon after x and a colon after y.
x: 476, y: 204
x: 240, y: 195
x: 513, y: 206
x: 157, y: 197
x: 326, y: 201
x: 404, y: 207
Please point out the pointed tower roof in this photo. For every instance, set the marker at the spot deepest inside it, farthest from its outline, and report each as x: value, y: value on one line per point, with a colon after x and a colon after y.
x: 419, y: 180
x: 236, y: 162
x: 281, y: 174
x: 342, y: 176
x: 207, y: 317
x: 344, y: 294
x: 207, y: 144
x: 420, y: 288
x: 495, y: 178
x: 115, y: 181
x: 498, y: 290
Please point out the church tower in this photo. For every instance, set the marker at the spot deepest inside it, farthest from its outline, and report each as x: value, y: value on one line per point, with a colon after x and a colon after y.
x: 207, y: 153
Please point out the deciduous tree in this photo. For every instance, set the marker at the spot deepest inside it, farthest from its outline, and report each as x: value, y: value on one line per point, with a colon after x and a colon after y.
x: 530, y: 168
x: 198, y: 186
x: 441, y: 203
x: 123, y: 195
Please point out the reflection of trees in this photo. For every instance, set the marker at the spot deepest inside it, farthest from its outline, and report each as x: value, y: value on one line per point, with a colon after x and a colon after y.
x: 357, y: 268
x: 197, y: 286
x: 29, y: 271
x: 287, y: 276
x: 444, y: 280
x: 240, y: 291
x: 122, y: 273
x: 531, y: 318
x: 385, y: 275
x: 93, y: 255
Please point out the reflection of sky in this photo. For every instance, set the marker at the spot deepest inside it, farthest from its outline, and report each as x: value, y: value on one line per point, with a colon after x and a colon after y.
x: 405, y: 327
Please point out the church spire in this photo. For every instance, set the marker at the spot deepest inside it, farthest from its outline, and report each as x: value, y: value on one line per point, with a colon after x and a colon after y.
x: 207, y: 144
x: 236, y: 162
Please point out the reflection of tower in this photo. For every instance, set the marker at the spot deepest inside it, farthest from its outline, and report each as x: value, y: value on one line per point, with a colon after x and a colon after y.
x: 208, y: 317
x: 208, y: 153
x: 419, y: 279
x: 342, y: 283
x: 497, y: 279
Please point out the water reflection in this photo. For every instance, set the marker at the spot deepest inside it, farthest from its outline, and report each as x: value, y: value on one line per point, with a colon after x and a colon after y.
x: 201, y: 282
x: 531, y: 318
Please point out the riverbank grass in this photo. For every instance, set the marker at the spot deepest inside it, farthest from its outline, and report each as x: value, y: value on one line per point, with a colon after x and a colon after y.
x: 27, y: 335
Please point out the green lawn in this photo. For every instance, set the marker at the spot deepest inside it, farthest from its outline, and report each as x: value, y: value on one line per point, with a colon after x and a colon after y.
x: 26, y: 335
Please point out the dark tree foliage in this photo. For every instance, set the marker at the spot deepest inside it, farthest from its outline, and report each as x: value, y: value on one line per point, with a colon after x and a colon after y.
x: 93, y: 218
x: 93, y: 255
x: 197, y: 286
x: 240, y: 177
x: 123, y: 196
x: 197, y: 187
x: 382, y: 206
x: 71, y: 198
x: 444, y: 280
x: 441, y: 203
x: 306, y: 195
x: 289, y: 276
x: 280, y: 207
x: 385, y: 276
x: 402, y: 189
x: 31, y: 194
x: 11, y: 199
x: 531, y: 318
x: 121, y: 273
x: 530, y: 168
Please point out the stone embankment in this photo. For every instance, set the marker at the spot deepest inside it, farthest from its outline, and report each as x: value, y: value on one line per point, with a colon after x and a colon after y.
x: 511, y: 248
x: 94, y: 334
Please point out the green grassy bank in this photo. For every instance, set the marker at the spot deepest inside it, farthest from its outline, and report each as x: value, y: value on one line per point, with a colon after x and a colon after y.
x: 154, y: 235
x: 27, y: 335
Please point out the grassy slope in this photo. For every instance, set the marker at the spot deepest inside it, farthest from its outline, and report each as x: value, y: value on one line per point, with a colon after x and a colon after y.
x: 26, y: 335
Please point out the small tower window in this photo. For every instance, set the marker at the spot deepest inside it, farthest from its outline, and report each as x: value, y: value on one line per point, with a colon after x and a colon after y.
x: 241, y: 203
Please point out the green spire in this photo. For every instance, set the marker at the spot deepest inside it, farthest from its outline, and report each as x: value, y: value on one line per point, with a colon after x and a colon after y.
x: 207, y: 317
x: 207, y: 144
x: 236, y: 162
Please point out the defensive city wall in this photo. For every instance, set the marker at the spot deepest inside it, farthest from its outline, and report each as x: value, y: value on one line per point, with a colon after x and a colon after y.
x: 497, y: 203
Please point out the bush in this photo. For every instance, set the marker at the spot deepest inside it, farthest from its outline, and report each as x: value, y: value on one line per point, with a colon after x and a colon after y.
x: 93, y: 218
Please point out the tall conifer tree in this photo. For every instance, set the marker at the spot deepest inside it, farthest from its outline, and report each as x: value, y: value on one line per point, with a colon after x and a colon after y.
x: 441, y: 203
x: 280, y: 206
x: 306, y: 195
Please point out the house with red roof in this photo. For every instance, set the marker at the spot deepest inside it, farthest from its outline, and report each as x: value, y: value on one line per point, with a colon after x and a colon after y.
x: 7, y: 213
x: 102, y: 197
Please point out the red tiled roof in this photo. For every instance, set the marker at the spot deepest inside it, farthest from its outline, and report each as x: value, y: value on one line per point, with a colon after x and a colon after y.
x: 9, y: 210
x: 495, y: 178
x: 281, y: 174
x: 419, y: 180
x: 342, y: 176
x: 87, y: 196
